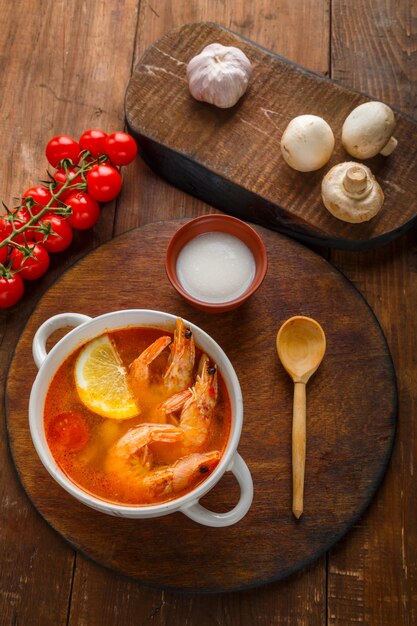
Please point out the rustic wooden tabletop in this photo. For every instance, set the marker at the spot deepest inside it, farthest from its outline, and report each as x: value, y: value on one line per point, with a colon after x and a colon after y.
x: 65, y: 67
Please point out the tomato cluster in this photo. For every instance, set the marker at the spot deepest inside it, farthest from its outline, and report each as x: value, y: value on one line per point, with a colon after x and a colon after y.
x: 86, y: 173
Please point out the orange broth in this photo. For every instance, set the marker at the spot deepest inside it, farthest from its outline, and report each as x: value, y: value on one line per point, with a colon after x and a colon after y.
x: 84, y: 461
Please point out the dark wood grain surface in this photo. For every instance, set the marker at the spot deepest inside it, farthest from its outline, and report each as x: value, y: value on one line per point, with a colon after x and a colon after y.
x: 65, y: 68
x: 231, y: 158
x: 349, y: 440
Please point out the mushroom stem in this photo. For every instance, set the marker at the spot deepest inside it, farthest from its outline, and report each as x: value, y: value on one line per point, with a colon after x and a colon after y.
x: 356, y: 207
x: 356, y: 180
x: 389, y: 147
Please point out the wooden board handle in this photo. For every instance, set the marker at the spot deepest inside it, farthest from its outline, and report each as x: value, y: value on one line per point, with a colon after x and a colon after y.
x: 298, y: 448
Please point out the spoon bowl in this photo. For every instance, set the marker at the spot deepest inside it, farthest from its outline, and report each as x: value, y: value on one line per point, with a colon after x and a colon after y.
x: 301, y: 344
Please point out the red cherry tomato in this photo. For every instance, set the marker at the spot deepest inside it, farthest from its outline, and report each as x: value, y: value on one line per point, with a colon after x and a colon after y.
x: 60, y: 237
x: 69, y: 431
x: 62, y: 147
x: 93, y: 141
x: 60, y: 177
x: 30, y: 268
x: 121, y: 148
x: 103, y: 183
x: 5, y: 229
x: 85, y: 211
x: 11, y: 290
x: 3, y: 254
x: 40, y: 196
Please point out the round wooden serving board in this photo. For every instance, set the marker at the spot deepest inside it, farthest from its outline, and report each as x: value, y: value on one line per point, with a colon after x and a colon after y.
x: 351, y: 406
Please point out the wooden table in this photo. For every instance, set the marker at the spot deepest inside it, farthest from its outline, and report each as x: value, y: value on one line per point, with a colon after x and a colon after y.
x: 65, y: 67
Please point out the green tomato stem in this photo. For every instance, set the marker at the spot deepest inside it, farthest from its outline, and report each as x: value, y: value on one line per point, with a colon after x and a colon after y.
x: 34, y: 219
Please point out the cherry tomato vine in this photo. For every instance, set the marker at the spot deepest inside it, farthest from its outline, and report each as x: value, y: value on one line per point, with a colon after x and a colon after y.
x: 86, y: 173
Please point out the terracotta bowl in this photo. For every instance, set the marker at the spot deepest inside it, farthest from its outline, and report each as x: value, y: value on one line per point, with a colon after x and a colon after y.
x: 224, y: 224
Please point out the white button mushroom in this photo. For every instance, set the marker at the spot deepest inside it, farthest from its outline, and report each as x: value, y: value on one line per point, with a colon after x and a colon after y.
x: 351, y: 192
x: 307, y: 143
x: 219, y: 75
x: 368, y: 129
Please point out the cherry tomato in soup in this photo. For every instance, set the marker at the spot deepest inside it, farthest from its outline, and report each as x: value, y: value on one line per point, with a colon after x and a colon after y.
x: 30, y: 267
x: 68, y: 431
x: 62, y: 147
x: 121, y: 148
x: 103, y: 183
x: 85, y: 211
x: 93, y: 141
x: 60, y: 237
x: 74, y: 179
x: 40, y: 196
x: 11, y: 290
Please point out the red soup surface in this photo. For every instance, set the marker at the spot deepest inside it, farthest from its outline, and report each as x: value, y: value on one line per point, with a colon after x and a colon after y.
x: 164, y: 451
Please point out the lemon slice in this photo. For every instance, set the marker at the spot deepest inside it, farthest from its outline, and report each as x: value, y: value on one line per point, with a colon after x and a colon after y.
x: 101, y: 382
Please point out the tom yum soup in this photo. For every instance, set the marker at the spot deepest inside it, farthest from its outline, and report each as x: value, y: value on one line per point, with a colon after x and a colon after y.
x: 138, y: 416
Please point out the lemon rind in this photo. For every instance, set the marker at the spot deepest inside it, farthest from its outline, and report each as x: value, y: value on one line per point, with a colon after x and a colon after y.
x: 85, y: 392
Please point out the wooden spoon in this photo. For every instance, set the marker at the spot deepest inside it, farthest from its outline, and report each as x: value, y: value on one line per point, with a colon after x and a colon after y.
x: 301, y: 344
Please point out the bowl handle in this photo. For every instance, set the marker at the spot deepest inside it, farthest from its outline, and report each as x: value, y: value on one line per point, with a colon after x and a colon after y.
x: 53, y: 323
x: 202, y: 515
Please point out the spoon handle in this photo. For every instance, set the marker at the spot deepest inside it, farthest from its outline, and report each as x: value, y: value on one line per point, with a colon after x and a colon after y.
x: 298, y: 448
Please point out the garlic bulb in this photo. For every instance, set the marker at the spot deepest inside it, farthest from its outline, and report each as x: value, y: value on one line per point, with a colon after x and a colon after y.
x: 219, y: 75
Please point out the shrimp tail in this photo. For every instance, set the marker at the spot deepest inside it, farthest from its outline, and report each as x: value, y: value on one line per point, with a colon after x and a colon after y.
x: 175, y: 402
x: 137, y: 438
x: 139, y: 368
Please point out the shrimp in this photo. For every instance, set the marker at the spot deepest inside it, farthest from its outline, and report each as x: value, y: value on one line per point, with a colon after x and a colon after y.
x: 139, y: 371
x: 198, y: 407
x: 130, y: 461
x: 183, y: 474
x: 198, y: 411
x: 179, y: 374
x: 131, y: 456
x: 174, y: 403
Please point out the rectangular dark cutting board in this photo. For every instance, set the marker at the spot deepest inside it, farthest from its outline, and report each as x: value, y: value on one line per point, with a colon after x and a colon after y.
x: 231, y: 158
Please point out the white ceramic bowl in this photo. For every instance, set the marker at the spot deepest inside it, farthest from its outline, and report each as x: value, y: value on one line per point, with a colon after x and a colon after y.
x: 87, y: 328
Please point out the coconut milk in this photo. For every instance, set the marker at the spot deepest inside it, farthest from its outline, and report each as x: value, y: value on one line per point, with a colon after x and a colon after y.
x: 215, y: 267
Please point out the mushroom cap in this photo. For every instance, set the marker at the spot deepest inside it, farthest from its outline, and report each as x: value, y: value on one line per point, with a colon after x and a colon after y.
x: 307, y: 143
x: 346, y: 206
x: 219, y: 75
x: 367, y: 129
